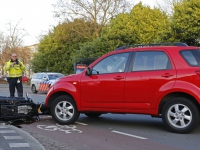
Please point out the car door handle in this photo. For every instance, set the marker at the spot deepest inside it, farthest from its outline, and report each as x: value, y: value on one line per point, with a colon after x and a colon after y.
x: 167, y: 75
x: 118, y: 78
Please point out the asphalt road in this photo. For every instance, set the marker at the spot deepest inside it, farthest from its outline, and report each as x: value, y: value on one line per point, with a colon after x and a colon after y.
x: 109, y: 132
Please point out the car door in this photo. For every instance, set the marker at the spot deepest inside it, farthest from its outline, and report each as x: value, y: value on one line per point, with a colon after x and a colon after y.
x: 39, y: 80
x: 45, y: 77
x: 151, y: 73
x: 104, y: 88
x: 34, y: 79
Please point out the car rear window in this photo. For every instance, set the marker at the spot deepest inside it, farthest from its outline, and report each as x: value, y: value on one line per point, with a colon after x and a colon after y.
x: 192, y: 57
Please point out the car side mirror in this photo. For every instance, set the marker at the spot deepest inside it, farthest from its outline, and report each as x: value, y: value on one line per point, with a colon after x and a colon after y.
x: 45, y: 79
x: 88, y: 71
x: 95, y: 72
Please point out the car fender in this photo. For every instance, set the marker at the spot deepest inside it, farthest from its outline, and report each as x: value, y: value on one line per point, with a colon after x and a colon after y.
x: 182, y: 87
x: 189, y: 88
x: 70, y: 88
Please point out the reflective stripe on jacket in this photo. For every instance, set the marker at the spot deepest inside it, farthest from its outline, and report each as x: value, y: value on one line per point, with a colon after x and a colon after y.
x: 16, y: 70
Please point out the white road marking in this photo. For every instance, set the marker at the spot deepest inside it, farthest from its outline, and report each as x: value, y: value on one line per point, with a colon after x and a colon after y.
x: 12, y: 137
x: 65, y: 128
x: 19, y: 145
x: 131, y: 135
x: 7, y: 131
x: 81, y: 123
x: 3, y: 127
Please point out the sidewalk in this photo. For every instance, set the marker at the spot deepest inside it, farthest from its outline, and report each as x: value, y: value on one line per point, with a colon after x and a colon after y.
x: 12, y: 138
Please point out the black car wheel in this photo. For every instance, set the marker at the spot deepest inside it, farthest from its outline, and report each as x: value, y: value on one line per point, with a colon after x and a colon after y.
x: 93, y: 115
x: 33, y: 89
x: 64, y: 110
x: 180, y: 115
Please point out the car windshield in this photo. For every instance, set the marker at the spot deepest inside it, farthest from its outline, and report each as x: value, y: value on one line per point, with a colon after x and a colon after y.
x: 54, y: 76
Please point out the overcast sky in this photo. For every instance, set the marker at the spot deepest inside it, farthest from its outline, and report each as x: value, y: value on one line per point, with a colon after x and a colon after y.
x: 35, y: 16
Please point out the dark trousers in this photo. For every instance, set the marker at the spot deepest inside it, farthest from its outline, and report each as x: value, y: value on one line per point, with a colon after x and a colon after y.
x: 13, y: 83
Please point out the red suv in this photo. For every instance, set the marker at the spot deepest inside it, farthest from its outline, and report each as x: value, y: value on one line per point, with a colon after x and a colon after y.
x: 158, y: 80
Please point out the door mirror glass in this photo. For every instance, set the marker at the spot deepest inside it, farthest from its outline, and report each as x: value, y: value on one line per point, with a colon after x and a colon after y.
x: 45, y: 78
x: 88, y: 71
x: 95, y: 72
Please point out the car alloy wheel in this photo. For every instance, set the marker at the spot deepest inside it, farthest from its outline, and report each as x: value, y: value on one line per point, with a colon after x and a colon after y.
x: 64, y: 110
x: 179, y: 115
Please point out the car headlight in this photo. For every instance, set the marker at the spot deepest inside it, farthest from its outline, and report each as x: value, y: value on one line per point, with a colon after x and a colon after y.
x: 50, y: 89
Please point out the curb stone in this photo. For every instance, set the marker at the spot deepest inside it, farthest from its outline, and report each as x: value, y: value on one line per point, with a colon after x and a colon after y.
x: 49, y: 143
x: 35, y: 145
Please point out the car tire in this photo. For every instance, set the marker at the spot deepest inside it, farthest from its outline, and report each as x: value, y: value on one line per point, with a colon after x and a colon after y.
x: 33, y: 89
x: 93, y: 115
x: 64, y: 110
x: 180, y: 115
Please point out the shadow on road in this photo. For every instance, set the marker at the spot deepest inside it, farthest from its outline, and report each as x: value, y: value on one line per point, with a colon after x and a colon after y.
x: 145, y: 123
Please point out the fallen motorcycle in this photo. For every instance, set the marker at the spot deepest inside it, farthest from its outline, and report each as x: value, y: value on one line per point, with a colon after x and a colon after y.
x: 20, y: 108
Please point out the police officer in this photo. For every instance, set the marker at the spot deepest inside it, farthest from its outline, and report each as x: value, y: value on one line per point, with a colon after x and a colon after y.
x: 15, y: 69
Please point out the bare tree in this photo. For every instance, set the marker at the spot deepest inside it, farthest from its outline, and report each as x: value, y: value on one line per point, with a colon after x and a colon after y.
x: 168, y: 5
x: 24, y: 54
x: 12, y: 42
x: 15, y: 36
x: 3, y: 46
x: 2, y: 42
x: 98, y: 12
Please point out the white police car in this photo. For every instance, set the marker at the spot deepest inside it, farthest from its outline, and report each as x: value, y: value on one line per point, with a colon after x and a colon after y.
x: 38, y: 78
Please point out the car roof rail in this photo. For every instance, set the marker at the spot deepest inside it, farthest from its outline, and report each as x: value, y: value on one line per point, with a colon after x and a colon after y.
x: 151, y: 45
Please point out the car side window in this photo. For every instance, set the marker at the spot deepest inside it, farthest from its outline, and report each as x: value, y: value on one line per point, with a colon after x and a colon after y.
x: 40, y: 76
x: 35, y: 76
x: 112, y: 64
x: 191, y: 57
x: 151, y: 60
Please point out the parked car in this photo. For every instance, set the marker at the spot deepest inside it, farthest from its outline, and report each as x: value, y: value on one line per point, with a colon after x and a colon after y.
x: 24, y: 79
x: 5, y: 79
x: 43, y: 76
x: 158, y: 80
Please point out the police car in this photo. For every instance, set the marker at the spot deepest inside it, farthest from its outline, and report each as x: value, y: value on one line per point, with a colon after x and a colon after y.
x: 38, y: 78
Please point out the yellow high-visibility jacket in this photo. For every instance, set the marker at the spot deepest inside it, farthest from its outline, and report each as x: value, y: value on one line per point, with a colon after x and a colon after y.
x: 15, y: 71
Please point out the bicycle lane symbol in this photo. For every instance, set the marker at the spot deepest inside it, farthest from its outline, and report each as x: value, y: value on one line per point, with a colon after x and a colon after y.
x: 64, y: 128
